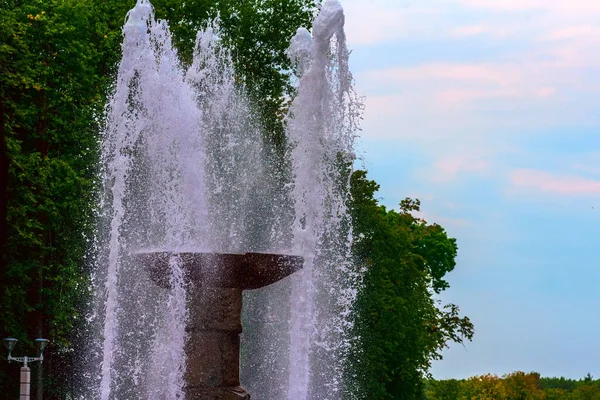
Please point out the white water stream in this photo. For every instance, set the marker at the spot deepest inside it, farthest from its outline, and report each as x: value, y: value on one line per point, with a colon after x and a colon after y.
x: 186, y: 166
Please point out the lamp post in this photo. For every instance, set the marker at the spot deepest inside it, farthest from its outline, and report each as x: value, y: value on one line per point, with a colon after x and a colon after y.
x: 25, y: 370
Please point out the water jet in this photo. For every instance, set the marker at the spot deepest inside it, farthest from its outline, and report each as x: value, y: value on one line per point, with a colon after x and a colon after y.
x: 214, y: 284
x: 198, y: 212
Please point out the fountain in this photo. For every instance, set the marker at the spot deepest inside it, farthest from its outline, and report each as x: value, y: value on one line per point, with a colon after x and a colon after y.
x: 196, y: 216
x: 214, y: 285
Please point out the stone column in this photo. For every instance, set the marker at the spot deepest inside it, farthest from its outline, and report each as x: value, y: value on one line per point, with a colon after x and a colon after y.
x: 213, y: 344
x: 215, y: 282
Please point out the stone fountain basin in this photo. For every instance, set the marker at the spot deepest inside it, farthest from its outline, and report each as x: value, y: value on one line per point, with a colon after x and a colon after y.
x: 244, y: 271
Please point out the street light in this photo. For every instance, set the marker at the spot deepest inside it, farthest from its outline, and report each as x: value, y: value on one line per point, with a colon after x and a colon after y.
x: 10, y: 344
x: 41, y: 344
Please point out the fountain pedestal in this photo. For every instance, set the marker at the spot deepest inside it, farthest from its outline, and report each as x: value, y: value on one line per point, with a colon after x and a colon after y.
x: 214, y: 283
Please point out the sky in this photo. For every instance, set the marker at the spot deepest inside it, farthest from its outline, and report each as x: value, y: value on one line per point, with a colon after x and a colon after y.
x: 487, y: 111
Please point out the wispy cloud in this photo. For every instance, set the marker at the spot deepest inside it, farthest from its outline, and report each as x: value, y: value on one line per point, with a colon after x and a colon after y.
x: 454, y: 86
x: 470, y: 77
x: 588, y: 31
x: 384, y: 21
x: 445, y: 221
x: 464, y: 31
x: 535, y: 76
x: 558, y: 6
x: 373, y: 22
x: 495, y: 73
x: 595, y: 170
x: 546, y: 91
x: 449, y: 167
x: 543, y: 181
x: 379, y: 21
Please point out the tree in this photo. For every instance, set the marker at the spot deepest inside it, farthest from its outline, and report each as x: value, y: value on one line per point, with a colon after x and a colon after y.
x: 521, y: 386
x: 586, y: 392
x: 558, y: 383
x: 57, y: 60
x: 483, y: 387
x: 258, y: 32
x: 443, y: 390
x: 400, y: 326
x: 515, y: 386
x: 587, y: 389
x: 52, y: 66
x: 557, y: 394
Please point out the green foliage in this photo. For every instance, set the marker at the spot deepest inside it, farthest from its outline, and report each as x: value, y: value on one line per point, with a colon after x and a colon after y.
x: 558, y: 383
x: 514, y: 386
x: 400, y: 326
x: 258, y: 33
x: 57, y: 63
x: 443, y: 390
x: 586, y: 392
x: 54, y: 60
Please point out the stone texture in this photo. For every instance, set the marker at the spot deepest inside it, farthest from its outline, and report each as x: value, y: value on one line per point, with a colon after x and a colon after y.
x: 213, y: 342
x: 214, y: 284
x: 213, y: 358
x: 243, y: 271
x: 214, y: 309
x: 221, y: 393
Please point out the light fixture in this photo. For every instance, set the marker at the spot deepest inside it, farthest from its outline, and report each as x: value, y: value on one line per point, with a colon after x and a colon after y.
x: 41, y: 344
x: 10, y: 344
x: 25, y: 376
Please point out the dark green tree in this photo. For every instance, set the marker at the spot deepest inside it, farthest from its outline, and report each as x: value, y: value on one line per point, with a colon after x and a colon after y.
x: 51, y: 77
x: 57, y: 64
x: 443, y: 390
x: 558, y: 383
x: 258, y: 32
x: 400, y: 326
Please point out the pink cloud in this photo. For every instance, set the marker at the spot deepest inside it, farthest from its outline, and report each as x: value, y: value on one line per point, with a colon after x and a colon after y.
x: 448, y: 168
x: 567, y: 48
x: 587, y: 168
x: 535, y: 85
x: 449, y: 205
x: 546, y: 91
x: 548, y: 182
x: 457, y: 96
x: 560, y: 6
x: 380, y: 21
x: 474, y: 30
x: 512, y: 5
x: 470, y: 30
x: 575, y: 32
x: 494, y: 73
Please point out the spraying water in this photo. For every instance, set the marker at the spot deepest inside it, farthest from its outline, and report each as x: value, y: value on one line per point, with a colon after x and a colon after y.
x: 322, y: 129
x: 187, y: 167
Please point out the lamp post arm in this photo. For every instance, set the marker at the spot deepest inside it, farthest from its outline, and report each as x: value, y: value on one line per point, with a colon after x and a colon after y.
x: 25, y: 359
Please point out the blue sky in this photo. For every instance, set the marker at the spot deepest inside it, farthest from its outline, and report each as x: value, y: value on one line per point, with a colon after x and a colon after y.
x: 487, y: 111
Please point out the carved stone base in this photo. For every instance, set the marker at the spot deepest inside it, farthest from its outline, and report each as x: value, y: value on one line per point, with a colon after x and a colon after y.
x: 217, y: 393
x: 214, y: 285
x: 213, y: 344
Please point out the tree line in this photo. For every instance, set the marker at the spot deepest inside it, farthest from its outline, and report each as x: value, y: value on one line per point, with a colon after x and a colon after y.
x: 514, y: 386
x: 57, y: 66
